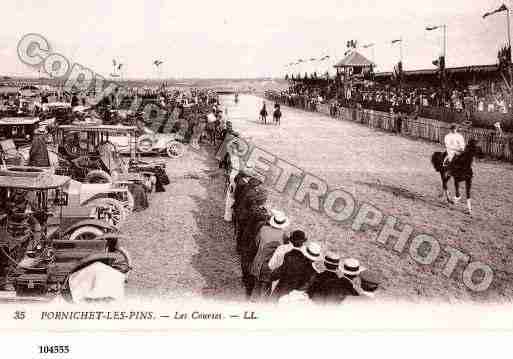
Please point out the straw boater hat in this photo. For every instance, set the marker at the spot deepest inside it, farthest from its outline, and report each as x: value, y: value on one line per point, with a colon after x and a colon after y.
x: 278, y: 220
x: 331, y: 261
x: 352, y: 266
x: 312, y: 251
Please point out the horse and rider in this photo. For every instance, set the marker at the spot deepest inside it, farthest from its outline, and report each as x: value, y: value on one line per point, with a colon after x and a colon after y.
x: 263, y: 113
x: 456, y: 162
x: 277, y: 114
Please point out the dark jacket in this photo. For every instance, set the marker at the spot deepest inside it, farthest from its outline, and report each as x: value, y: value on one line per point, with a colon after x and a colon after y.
x: 246, y: 243
x: 328, y: 288
x: 295, y: 273
x: 38, y: 155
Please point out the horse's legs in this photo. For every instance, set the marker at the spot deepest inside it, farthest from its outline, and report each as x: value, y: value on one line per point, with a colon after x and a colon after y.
x: 468, y: 187
x: 444, y: 186
x: 457, y: 191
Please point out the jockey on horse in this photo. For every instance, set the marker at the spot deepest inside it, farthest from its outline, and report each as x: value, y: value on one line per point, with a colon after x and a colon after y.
x: 454, y: 145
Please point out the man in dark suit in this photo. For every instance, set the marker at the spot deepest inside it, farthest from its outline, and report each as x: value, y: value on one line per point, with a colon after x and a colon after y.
x: 38, y: 155
x: 327, y: 287
x: 297, y: 269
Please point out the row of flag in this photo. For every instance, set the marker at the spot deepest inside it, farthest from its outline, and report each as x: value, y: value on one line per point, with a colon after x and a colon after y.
x: 500, y: 9
x: 300, y: 61
x: 504, y: 53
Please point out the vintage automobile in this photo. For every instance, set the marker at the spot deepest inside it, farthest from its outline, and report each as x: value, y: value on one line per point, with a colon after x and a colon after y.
x: 151, y: 142
x: 92, y: 152
x: 19, y: 129
x: 106, y: 202
x: 59, y: 112
x: 42, y: 246
x: 16, y: 133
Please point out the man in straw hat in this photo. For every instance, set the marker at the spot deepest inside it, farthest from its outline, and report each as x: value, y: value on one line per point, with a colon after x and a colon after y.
x: 297, y: 269
x: 356, y: 278
x: 327, y: 287
x: 267, y: 240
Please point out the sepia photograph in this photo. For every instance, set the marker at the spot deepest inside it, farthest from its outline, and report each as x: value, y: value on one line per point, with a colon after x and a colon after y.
x: 255, y: 165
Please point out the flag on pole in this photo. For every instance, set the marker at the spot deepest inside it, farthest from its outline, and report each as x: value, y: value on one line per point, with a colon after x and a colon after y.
x: 396, y: 41
x: 429, y: 28
x: 501, y: 8
x: 352, y: 44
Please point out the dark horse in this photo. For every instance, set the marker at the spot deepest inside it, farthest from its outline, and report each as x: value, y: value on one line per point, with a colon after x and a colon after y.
x: 460, y: 169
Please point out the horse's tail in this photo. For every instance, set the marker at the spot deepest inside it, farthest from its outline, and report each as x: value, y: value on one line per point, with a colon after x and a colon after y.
x: 437, y: 161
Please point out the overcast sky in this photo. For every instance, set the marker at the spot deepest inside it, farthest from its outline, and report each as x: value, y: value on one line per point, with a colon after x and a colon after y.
x: 239, y: 38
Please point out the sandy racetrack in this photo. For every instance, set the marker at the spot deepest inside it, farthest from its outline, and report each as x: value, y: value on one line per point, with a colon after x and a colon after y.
x: 181, y: 246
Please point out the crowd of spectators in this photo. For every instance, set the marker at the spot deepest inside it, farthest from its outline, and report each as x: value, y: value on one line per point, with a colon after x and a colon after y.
x: 482, y: 105
x: 280, y: 263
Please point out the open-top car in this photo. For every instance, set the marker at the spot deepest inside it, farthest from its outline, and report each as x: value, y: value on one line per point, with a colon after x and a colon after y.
x: 19, y: 129
x: 159, y: 143
x: 16, y: 134
x: 42, y: 245
x: 92, y: 156
x: 60, y: 112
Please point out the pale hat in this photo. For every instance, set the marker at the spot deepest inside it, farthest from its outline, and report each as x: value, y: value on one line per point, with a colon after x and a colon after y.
x: 312, y: 251
x: 278, y: 220
x: 351, y: 266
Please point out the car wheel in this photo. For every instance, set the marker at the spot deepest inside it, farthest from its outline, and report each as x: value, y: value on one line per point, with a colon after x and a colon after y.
x: 85, y: 233
x: 175, y: 149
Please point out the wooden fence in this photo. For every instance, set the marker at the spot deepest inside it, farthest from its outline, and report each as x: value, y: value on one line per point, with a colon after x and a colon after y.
x: 493, y: 145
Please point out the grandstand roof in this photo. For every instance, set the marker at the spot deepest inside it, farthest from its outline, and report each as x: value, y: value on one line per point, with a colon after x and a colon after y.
x: 354, y: 59
x: 450, y: 70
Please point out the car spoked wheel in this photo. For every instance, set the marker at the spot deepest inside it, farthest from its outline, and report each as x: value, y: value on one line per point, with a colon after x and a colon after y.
x: 109, y: 210
x: 175, y: 149
x: 85, y: 233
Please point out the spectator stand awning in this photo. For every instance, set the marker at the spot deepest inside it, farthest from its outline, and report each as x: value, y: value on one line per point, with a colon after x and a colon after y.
x: 450, y: 71
x: 354, y: 60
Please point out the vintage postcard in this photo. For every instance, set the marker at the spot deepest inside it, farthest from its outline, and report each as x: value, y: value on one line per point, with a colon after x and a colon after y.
x: 255, y: 165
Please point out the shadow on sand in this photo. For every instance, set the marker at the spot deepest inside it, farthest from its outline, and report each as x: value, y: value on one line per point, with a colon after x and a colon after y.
x: 216, y: 259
